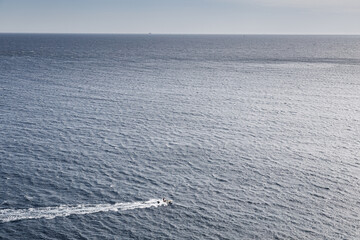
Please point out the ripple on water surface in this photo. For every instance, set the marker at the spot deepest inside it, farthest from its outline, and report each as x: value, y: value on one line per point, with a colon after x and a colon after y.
x: 249, y: 138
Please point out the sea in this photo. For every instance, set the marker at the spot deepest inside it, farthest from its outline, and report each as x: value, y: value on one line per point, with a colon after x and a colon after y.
x: 250, y: 136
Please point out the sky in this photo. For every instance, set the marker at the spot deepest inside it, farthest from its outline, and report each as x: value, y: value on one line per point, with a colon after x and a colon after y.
x: 181, y: 16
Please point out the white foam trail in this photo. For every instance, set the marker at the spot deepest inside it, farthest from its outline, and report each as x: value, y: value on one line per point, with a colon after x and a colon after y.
x: 9, y: 215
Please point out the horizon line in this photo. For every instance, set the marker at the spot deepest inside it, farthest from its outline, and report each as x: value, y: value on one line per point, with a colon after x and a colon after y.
x: 151, y: 33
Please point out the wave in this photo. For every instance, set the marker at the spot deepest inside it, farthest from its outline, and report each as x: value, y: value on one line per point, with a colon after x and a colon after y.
x: 10, y: 215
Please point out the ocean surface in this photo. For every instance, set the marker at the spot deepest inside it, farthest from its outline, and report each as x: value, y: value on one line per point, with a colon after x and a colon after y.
x: 252, y: 137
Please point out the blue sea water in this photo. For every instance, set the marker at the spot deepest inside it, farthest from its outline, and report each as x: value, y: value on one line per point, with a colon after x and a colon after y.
x: 252, y: 137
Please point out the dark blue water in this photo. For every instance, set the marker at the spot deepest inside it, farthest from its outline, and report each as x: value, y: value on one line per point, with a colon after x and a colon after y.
x: 252, y: 137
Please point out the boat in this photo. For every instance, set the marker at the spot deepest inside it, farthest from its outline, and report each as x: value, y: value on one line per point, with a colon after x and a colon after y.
x: 165, y: 201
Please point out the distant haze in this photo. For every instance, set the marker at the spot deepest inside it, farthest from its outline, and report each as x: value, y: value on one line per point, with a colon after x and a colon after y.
x: 181, y: 16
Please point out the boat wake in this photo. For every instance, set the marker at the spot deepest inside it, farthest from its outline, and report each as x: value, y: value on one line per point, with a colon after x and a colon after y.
x: 9, y: 215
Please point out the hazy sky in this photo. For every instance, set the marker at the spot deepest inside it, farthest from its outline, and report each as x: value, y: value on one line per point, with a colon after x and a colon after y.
x: 181, y: 16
